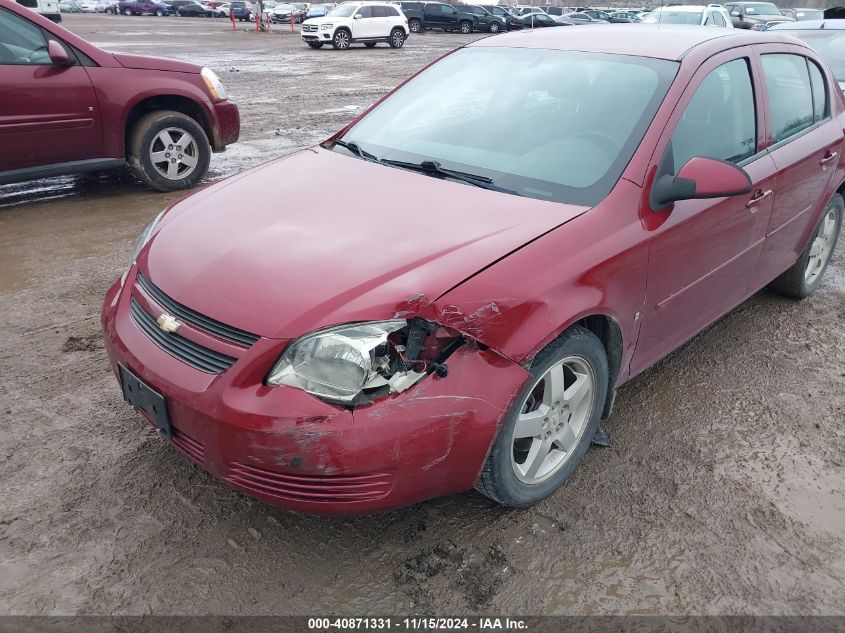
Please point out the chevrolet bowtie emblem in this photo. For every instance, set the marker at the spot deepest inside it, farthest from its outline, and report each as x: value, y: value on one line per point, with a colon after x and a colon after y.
x: 168, y: 323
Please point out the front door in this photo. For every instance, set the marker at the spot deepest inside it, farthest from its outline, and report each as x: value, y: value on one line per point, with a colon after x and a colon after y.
x: 702, y: 252
x: 48, y: 114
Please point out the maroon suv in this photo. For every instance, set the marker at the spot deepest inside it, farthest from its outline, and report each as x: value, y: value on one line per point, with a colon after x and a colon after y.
x: 69, y: 107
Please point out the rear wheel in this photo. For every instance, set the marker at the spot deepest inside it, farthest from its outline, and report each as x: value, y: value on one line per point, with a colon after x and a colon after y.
x: 549, y: 427
x: 466, y: 27
x: 168, y: 151
x: 806, y: 274
x: 495, y: 27
x: 397, y: 38
x: 341, y: 39
x: 415, y: 26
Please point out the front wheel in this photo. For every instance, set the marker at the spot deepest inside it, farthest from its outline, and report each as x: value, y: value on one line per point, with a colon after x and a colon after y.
x: 341, y: 40
x: 168, y: 151
x: 495, y: 27
x: 806, y: 274
x: 548, y: 429
x: 415, y: 26
x: 397, y: 38
x: 466, y: 27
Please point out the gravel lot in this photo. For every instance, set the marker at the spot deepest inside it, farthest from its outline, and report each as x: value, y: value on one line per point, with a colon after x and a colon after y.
x: 723, y: 493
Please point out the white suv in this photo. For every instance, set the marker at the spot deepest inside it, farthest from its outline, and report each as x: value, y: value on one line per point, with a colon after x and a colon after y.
x: 366, y: 22
x: 700, y: 14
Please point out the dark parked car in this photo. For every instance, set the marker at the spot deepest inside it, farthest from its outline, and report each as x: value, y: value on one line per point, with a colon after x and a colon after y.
x: 70, y: 107
x: 755, y: 15
x: 241, y: 10
x: 655, y: 189
x: 195, y: 10
x: 486, y: 21
x: 424, y: 16
x: 500, y: 12
x: 318, y: 10
x: 538, y: 20
x: 583, y: 18
x: 141, y: 7
x: 827, y: 37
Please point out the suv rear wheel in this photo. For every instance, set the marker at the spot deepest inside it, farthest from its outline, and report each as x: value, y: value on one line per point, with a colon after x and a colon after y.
x: 494, y: 27
x: 466, y: 27
x: 415, y: 26
x: 168, y: 150
x: 397, y: 38
x: 341, y: 39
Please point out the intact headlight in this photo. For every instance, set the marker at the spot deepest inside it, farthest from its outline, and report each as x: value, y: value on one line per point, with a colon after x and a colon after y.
x: 355, y: 363
x: 326, y: 27
x: 144, y: 237
x: 214, y: 84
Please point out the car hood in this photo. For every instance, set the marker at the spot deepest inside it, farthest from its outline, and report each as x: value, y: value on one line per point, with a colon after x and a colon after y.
x: 765, y: 19
x: 140, y: 62
x: 319, y: 238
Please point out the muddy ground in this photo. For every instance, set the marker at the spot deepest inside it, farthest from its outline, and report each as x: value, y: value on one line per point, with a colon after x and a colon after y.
x: 723, y: 492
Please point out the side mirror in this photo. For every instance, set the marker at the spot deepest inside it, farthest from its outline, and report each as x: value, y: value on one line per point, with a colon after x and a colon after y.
x: 358, y: 16
x: 58, y: 54
x: 700, y: 178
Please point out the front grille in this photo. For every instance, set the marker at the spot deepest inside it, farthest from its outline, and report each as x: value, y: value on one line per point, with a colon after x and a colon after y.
x: 309, y: 28
x: 187, y: 351
x: 200, y: 321
x: 188, y: 445
x: 314, y: 488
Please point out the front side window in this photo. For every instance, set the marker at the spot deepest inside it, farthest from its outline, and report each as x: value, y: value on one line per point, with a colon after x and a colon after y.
x: 566, y: 122
x: 365, y: 12
x: 21, y: 42
x: 720, y: 120
x: 790, y: 94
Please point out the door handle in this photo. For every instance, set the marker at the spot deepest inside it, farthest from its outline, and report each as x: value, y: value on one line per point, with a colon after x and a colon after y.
x: 758, y: 197
x: 829, y: 157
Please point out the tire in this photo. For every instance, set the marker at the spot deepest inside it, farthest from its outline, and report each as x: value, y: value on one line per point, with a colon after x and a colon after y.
x: 495, y: 27
x: 369, y: 44
x: 315, y: 44
x: 805, y: 276
x: 507, y: 474
x: 127, y: 11
x: 397, y: 38
x: 146, y: 143
x: 342, y: 39
x: 415, y: 26
x: 465, y: 27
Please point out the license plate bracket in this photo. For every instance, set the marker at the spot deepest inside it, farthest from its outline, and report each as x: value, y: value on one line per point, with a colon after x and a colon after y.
x: 141, y: 396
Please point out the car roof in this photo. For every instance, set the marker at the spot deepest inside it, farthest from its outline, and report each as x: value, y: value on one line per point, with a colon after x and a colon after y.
x: 660, y: 41
x: 810, y: 25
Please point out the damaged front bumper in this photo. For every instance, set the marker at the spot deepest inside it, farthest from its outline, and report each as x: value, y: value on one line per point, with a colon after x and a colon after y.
x: 288, y: 448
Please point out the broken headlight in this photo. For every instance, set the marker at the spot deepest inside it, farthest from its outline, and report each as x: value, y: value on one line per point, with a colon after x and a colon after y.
x: 353, y: 364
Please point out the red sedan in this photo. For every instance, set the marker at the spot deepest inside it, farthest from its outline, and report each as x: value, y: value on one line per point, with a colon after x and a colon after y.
x: 417, y: 307
x: 68, y: 107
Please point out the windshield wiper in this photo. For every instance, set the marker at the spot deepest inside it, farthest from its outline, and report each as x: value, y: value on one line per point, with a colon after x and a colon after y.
x: 433, y: 168
x: 356, y: 149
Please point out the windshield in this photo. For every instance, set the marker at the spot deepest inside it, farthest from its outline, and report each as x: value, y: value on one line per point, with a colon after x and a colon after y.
x: 547, y: 124
x: 829, y: 44
x: 343, y: 11
x: 761, y: 8
x: 668, y: 16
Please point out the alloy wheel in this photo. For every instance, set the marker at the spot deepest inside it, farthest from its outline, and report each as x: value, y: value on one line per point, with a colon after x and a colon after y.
x: 553, y: 419
x: 174, y: 153
x: 821, y: 248
x: 341, y: 39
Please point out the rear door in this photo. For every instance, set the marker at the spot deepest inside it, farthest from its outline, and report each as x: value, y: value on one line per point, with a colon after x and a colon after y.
x: 806, y: 145
x: 48, y: 114
x: 703, y: 252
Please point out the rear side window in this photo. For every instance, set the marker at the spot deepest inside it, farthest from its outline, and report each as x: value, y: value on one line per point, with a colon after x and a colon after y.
x: 720, y: 121
x: 819, y: 92
x: 21, y: 42
x: 790, y: 94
